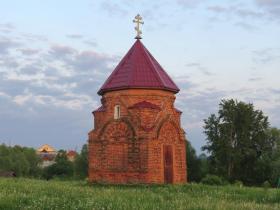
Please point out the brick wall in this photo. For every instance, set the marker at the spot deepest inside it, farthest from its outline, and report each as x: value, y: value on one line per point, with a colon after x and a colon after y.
x: 130, y: 149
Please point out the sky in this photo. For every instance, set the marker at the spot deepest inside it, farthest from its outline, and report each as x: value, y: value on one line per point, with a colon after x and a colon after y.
x: 55, y: 55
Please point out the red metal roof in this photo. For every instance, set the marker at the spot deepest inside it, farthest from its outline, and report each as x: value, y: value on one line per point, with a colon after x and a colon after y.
x: 71, y: 153
x: 138, y: 69
x: 144, y: 104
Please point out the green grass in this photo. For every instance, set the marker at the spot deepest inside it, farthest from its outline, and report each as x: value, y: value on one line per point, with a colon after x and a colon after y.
x: 38, y: 194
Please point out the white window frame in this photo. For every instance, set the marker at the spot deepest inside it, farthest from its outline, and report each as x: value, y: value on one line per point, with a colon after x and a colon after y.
x: 117, y: 112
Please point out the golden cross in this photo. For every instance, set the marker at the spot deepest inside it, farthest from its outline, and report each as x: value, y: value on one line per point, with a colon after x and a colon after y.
x: 138, y: 21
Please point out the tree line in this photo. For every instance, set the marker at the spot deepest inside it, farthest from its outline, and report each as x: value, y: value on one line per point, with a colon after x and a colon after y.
x: 24, y: 161
x: 241, y: 146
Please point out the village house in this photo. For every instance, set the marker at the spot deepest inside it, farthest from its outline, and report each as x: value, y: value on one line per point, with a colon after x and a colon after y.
x: 47, y: 153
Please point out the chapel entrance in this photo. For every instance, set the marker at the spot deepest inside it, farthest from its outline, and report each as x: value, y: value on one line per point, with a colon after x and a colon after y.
x: 168, y: 164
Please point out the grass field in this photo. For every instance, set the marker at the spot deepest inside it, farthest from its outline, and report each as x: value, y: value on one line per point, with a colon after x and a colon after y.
x: 37, y: 194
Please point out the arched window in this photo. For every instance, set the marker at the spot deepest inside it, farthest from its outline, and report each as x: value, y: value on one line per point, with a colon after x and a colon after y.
x: 117, y: 112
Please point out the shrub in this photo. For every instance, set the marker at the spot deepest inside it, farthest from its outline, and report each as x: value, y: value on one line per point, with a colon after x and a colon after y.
x: 62, y: 167
x: 213, y: 180
x: 22, y: 161
x: 266, y: 185
x: 238, y: 183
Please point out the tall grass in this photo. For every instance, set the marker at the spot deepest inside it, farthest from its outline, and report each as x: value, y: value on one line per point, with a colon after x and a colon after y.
x: 39, y: 194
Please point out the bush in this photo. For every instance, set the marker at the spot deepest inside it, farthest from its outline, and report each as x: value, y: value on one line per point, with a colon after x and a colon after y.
x: 266, y: 185
x: 62, y: 168
x: 22, y: 161
x: 238, y: 183
x: 81, y: 163
x: 213, y: 180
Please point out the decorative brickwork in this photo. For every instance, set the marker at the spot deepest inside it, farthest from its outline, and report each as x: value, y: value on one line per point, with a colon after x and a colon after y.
x: 147, y: 143
x: 137, y: 135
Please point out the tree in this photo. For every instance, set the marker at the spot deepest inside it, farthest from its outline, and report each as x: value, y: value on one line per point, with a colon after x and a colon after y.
x: 238, y: 143
x: 5, y: 160
x: 204, y: 165
x: 197, y: 166
x: 81, y: 163
x: 274, y: 135
x: 21, y: 160
x: 33, y: 159
x: 193, y: 164
x: 62, y: 167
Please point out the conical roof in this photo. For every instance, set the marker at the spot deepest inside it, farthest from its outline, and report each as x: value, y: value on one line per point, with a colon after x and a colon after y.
x: 138, y: 69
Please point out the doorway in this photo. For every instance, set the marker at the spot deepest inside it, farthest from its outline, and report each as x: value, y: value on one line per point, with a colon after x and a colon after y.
x: 168, y: 164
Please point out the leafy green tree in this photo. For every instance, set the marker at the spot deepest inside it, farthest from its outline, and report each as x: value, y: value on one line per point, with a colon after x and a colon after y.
x: 193, y: 164
x: 238, y: 144
x: 33, y: 160
x: 19, y: 164
x: 81, y: 163
x: 204, y: 165
x: 62, y: 168
x: 21, y: 160
x: 197, y: 166
x: 5, y: 160
x: 274, y: 135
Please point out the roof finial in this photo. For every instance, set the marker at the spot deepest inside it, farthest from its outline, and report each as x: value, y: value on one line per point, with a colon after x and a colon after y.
x: 138, y: 21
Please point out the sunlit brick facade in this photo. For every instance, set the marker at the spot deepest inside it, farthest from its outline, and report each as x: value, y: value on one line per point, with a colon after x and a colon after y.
x: 137, y: 136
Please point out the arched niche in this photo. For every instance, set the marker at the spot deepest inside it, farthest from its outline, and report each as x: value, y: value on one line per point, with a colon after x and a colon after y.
x: 168, y: 132
x: 115, y: 138
x: 118, y: 130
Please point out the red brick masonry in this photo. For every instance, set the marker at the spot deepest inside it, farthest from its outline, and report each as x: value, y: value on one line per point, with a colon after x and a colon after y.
x: 147, y: 143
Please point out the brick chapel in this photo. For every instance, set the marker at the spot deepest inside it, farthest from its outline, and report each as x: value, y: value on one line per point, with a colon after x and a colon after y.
x: 137, y: 135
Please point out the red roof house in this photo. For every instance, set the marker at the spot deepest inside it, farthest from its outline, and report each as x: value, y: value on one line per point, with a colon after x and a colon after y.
x: 71, y: 154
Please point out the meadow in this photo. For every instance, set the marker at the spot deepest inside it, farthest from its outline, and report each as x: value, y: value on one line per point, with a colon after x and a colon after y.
x: 22, y: 193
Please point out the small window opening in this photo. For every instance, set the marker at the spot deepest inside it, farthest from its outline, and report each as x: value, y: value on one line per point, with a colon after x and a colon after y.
x: 117, y: 112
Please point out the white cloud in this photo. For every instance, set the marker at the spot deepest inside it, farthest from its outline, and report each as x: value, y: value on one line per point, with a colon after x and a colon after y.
x: 113, y: 8
x: 4, y: 95
x: 6, y: 44
x: 67, y: 101
x: 22, y: 99
x: 75, y: 36
x: 29, y: 51
x: 54, y: 76
x: 27, y: 77
x: 189, y: 3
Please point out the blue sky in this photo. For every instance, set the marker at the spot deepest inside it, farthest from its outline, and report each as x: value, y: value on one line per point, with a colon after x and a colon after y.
x: 54, y: 56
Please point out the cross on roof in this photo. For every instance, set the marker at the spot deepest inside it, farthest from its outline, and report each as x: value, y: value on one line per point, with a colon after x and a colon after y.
x: 138, y: 21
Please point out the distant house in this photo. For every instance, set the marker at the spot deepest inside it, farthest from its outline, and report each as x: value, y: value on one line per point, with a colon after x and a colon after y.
x: 47, y: 154
x: 71, y: 155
